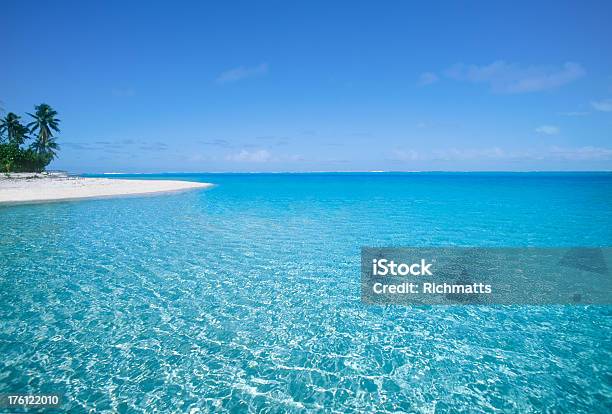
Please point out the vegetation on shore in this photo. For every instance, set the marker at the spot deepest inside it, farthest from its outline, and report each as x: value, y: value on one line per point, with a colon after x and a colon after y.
x: 15, y: 153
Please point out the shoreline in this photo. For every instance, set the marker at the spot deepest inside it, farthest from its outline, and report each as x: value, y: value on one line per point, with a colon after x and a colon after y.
x: 41, y: 188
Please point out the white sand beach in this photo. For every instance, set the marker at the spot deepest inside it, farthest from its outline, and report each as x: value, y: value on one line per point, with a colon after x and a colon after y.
x: 28, y: 188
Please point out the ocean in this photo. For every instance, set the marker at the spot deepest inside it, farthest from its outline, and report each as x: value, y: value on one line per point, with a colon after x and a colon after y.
x: 246, y: 297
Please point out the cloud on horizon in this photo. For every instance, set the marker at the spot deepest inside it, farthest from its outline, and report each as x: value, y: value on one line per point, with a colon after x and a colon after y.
x: 240, y: 73
x: 405, y: 155
x: 587, y: 153
x: 581, y: 154
x: 261, y: 155
x: 510, y: 78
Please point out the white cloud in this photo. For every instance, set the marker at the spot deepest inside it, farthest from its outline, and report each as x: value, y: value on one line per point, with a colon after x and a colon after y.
x: 405, y: 155
x: 261, y: 155
x: 581, y: 154
x: 236, y: 74
x: 604, y: 105
x: 587, y: 153
x: 469, y: 153
x: 503, y: 77
x: 427, y: 78
x: 547, y: 130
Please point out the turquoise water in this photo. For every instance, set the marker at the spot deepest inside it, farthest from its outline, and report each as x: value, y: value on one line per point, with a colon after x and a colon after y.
x: 246, y: 296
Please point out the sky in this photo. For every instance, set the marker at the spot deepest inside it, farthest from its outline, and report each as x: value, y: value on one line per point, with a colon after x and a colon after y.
x: 315, y: 85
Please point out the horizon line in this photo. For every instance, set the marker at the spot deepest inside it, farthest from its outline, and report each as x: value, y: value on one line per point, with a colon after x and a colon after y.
x: 337, y: 172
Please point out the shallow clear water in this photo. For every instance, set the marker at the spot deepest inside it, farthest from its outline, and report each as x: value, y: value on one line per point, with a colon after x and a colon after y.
x: 247, y: 296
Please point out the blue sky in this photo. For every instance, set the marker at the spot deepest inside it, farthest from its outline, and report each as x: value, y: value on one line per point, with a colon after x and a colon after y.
x: 316, y: 86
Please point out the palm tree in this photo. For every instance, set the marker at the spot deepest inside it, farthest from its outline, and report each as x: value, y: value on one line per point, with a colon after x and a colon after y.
x: 15, y: 132
x: 48, y: 150
x: 45, y: 122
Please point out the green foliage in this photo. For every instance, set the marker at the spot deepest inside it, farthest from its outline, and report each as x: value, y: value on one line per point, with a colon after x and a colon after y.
x: 9, y: 155
x: 14, y: 158
x: 44, y: 124
x: 15, y: 132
